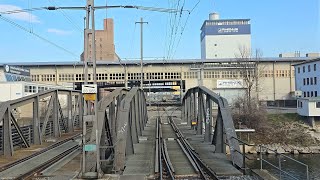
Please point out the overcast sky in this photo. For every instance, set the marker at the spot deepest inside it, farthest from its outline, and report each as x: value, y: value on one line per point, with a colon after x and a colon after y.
x: 277, y: 26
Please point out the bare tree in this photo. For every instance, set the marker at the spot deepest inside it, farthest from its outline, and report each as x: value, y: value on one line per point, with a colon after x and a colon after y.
x: 250, y: 73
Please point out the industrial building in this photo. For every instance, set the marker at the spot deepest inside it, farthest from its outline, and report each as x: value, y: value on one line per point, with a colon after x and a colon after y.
x: 105, y: 49
x: 223, y: 76
x: 222, y: 38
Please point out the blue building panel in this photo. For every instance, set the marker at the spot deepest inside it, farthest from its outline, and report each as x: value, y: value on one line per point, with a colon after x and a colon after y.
x: 225, y: 30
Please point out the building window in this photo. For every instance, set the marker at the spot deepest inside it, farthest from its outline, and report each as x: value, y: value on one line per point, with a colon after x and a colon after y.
x: 315, y: 80
x: 304, y: 81
x: 300, y: 104
x: 315, y: 67
x: 307, y: 81
x: 311, y: 94
x: 308, y: 94
x: 317, y: 104
x: 304, y: 94
x: 298, y: 69
x: 303, y: 69
x: 315, y: 93
x: 311, y: 81
x: 309, y: 68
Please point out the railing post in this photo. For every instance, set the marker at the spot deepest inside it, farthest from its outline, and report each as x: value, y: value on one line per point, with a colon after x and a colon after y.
x: 188, y: 109
x: 244, y: 158
x: 198, y: 114
x: 7, y: 143
x: 70, y: 124
x: 279, y: 159
x: 207, y: 137
x: 55, y: 117
x: 36, y: 121
x: 29, y: 133
x: 260, y: 147
x: 80, y: 110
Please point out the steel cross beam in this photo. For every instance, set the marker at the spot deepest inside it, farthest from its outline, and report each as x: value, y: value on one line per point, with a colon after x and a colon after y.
x: 224, y: 128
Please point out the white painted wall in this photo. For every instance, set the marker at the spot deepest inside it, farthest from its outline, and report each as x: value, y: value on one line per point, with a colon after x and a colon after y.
x: 203, y: 48
x: 230, y: 94
x: 223, y: 46
x: 308, y: 107
x: 2, y: 76
x: 11, y: 91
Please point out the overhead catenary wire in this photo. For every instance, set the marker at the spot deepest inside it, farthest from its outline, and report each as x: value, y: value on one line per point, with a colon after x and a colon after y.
x: 183, y: 28
x: 69, y: 19
x: 37, y: 35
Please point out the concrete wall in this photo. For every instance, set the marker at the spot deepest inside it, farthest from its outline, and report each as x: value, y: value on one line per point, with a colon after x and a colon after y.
x: 225, y: 46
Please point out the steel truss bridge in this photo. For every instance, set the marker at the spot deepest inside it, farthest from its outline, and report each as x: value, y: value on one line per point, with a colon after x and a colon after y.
x: 126, y: 138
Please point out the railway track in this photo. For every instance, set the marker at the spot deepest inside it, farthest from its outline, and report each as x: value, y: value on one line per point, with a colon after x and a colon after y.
x: 177, y: 159
x: 32, y: 166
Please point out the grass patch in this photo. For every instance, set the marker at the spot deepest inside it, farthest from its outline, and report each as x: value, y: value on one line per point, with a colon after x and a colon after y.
x: 280, y: 118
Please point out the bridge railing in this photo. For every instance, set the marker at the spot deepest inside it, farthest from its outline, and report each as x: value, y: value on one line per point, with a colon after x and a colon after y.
x: 131, y: 120
x: 197, y: 112
x: 39, y: 125
x: 103, y: 133
x: 121, y: 117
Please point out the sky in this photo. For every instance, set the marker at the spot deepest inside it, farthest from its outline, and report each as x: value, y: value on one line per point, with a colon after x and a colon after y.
x: 277, y: 26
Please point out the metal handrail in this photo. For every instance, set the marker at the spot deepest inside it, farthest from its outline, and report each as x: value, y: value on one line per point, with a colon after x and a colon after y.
x: 279, y: 158
x: 276, y: 153
x: 279, y: 169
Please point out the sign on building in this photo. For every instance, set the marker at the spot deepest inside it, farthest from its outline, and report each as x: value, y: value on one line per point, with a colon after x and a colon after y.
x: 16, y: 70
x: 236, y: 83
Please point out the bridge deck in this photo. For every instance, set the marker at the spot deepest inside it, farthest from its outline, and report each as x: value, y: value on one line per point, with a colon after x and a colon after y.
x: 142, y: 161
x: 218, y: 162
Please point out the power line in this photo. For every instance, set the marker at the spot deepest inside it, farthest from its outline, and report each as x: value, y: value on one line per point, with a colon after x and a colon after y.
x: 23, y: 10
x: 68, y: 17
x: 37, y: 35
x: 185, y: 24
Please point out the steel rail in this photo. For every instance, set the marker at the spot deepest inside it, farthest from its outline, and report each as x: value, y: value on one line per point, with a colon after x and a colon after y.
x: 163, y: 155
x: 205, y: 172
x: 9, y: 165
x: 33, y: 173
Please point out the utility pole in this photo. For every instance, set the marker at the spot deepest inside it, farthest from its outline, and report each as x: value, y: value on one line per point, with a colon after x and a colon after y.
x: 141, y: 61
x: 90, y: 12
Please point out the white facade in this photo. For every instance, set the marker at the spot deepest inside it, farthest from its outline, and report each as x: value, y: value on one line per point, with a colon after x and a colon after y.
x: 224, y: 38
x: 15, y: 90
x: 309, y: 107
x: 224, y: 46
x: 307, y: 81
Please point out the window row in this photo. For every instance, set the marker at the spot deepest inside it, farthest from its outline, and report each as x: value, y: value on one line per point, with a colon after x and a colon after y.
x: 278, y: 73
x: 304, y: 68
x: 300, y: 104
x: 310, y: 94
x: 310, y: 81
x: 35, y: 89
